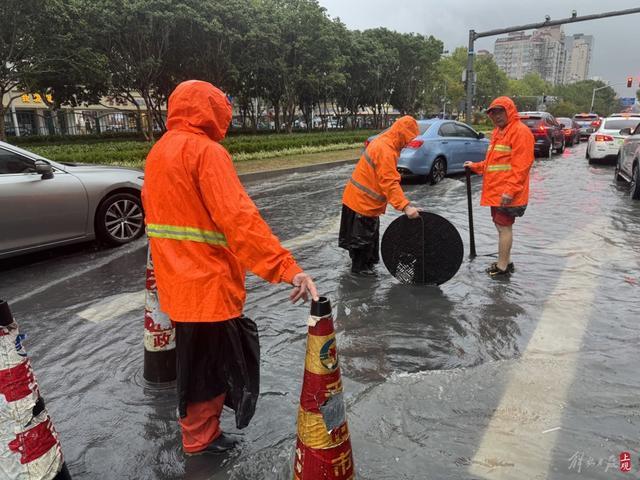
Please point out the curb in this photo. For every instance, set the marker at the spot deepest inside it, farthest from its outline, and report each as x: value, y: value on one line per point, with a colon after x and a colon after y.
x: 254, y: 176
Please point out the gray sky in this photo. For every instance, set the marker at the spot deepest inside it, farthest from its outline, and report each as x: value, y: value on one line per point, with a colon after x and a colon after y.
x: 616, y: 53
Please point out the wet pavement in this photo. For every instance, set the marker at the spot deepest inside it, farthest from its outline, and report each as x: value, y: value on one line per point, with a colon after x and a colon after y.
x: 533, y: 377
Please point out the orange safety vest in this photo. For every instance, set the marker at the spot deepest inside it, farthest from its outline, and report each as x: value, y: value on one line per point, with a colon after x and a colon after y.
x: 508, y: 161
x: 203, y: 228
x: 375, y: 180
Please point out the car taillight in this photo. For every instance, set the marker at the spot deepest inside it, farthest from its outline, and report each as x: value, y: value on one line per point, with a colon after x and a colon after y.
x: 595, y: 123
x: 414, y: 144
x: 567, y: 130
x: 604, y: 138
x: 541, y: 131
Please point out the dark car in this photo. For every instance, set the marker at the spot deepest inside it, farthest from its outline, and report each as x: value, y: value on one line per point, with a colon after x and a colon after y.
x: 628, y: 166
x: 589, y: 123
x: 546, y: 131
x: 571, y: 130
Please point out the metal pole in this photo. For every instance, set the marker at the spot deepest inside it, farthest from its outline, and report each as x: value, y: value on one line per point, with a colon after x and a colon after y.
x: 473, y: 36
x: 14, y: 117
x: 593, y: 98
x: 472, y: 238
x: 469, y: 77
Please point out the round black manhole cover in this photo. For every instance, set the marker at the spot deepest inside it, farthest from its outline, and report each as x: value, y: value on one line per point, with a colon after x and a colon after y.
x: 427, y: 250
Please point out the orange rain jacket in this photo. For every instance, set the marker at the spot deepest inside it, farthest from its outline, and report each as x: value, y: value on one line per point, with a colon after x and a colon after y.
x: 508, y: 161
x: 203, y: 228
x: 375, y: 180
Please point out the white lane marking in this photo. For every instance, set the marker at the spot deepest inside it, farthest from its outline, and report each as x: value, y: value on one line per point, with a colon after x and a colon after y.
x: 114, y: 306
x: 538, y: 383
x: 126, y: 250
x: 328, y: 228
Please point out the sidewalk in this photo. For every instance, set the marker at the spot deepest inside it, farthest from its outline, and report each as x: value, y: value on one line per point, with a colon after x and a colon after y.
x: 256, y: 169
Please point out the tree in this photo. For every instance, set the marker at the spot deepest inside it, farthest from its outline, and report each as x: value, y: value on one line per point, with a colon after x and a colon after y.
x: 70, y: 71
x: 19, y: 39
x: 416, y: 73
x: 580, y: 94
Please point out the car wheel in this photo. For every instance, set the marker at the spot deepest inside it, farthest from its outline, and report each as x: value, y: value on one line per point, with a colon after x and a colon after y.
x: 570, y: 144
x: 577, y: 140
x: 616, y: 174
x: 586, y: 154
x: 438, y: 170
x: 635, y: 183
x: 548, y: 153
x: 120, y: 219
x: 561, y: 148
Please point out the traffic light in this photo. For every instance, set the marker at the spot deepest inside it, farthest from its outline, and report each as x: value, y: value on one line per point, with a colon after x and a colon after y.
x: 629, y: 82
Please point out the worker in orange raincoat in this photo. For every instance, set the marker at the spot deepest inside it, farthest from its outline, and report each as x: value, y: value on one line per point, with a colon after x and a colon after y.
x: 506, y: 177
x: 205, y: 232
x: 374, y: 183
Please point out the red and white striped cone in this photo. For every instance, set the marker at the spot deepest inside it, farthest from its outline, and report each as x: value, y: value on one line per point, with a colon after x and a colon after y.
x: 29, y: 446
x: 159, y: 335
x: 323, y: 447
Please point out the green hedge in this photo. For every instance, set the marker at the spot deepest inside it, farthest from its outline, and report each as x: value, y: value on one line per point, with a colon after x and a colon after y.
x: 133, y: 153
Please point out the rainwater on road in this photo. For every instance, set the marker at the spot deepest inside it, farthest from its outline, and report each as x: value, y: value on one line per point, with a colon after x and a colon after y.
x: 534, y: 377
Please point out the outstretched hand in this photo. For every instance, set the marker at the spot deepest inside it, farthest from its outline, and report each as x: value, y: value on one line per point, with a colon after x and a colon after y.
x: 411, y: 212
x: 303, y: 286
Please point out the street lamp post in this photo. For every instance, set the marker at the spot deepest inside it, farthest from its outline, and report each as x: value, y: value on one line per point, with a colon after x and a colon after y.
x: 593, y: 94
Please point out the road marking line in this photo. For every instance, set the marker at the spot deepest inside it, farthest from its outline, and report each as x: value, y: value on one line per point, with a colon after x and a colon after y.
x: 108, y: 259
x: 538, y: 383
x: 114, y: 306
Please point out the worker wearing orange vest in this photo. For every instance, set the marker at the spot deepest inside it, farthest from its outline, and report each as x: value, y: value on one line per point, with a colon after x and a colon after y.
x: 506, y: 167
x: 374, y: 183
x: 205, y: 232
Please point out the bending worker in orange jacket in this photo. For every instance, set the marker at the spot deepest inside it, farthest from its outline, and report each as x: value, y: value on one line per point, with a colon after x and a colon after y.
x: 204, y: 232
x: 506, y: 177
x: 374, y: 183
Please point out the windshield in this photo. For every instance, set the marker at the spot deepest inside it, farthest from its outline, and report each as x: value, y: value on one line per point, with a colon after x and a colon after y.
x: 620, y: 123
x: 530, y: 121
x: 584, y: 119
x: 567, y: 121
x: 424, y: 127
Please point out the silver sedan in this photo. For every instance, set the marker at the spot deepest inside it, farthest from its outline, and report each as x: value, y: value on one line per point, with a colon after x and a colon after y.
x: 46, y: 204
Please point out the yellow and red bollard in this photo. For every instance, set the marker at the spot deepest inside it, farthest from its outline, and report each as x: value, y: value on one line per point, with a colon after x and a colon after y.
x: 159, y: 335
x: 29, y: 446
x: 323, y: 447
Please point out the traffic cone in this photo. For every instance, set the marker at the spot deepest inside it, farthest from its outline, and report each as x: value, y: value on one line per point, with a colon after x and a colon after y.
x: 159, y: 335
x: 29, y: 446
x: 323, y: 447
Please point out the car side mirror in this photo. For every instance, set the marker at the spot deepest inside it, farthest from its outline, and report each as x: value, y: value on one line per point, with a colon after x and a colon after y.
x: 625, y: 131
x: 480, y: 135
x: 44, y: 168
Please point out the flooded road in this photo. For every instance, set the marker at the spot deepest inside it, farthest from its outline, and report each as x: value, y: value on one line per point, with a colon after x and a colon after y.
x: 533, y: 377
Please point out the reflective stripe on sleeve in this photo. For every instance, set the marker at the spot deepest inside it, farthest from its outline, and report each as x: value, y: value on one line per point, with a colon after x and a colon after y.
x: 368, y: 159
x: 174, y: 232
x: 499, y: 168
x: 501, y: 148
x: 368, y: 191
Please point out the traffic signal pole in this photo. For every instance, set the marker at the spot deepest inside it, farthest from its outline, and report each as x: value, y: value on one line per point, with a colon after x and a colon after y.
x: 593, y: 95
x: 473, y: 36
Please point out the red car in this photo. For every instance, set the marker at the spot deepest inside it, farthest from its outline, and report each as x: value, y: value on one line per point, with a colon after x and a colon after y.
x: 571, y: 130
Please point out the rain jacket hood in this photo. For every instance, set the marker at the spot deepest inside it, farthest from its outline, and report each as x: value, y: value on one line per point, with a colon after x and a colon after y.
x: 199, y: 107
x: 402, y: 132
x: 509, y: 106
